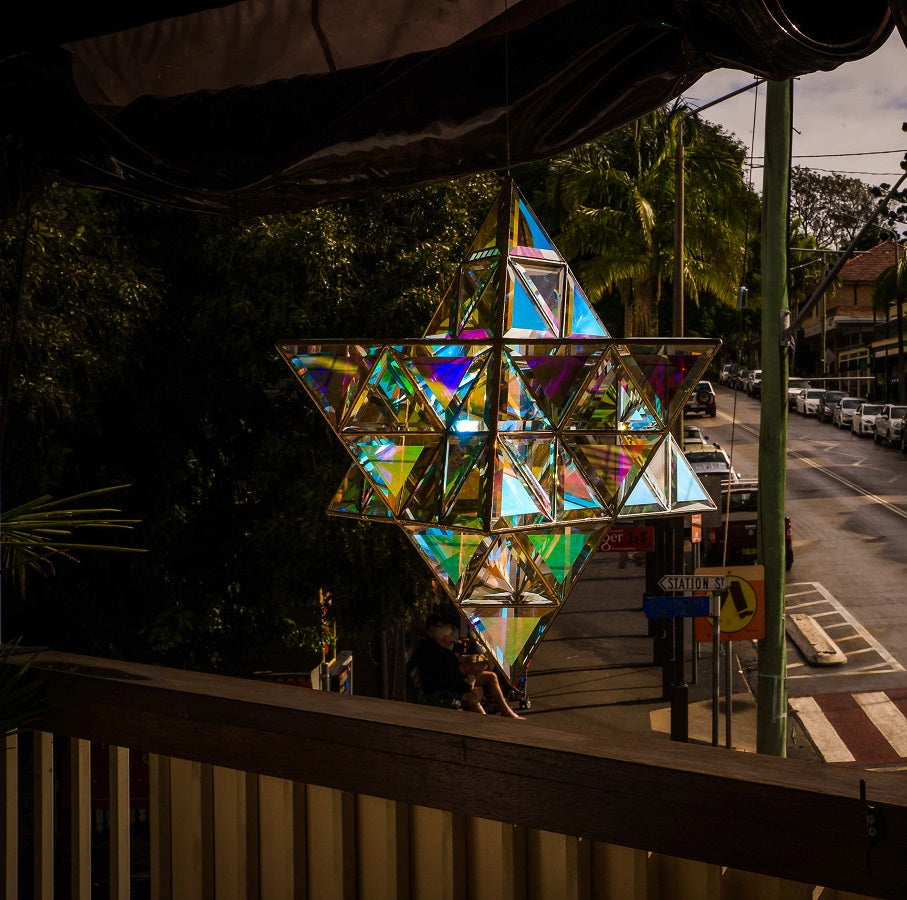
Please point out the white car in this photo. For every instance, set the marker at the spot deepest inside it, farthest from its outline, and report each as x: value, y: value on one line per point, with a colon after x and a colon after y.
x: 889, y: 424
x: 844, y: 411
x: 863, y: 420
x: 753, y: 377
x: 794, y: 386
x: 710, y: 459
x: 808, y: 401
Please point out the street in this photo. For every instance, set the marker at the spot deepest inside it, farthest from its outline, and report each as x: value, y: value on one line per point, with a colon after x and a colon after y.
x: 847, y: 499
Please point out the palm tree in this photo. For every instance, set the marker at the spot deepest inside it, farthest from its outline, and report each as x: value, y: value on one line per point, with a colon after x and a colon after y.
x: 891, y: 286
x: 617, y: 199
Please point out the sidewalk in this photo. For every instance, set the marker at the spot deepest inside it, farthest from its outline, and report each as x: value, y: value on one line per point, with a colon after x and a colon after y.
x: 594, y: 671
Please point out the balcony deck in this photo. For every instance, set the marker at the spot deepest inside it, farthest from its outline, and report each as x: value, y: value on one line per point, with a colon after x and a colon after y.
x: 266, y: 790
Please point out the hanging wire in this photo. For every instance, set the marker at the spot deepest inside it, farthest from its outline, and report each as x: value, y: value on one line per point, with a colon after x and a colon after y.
x: 507, y: 89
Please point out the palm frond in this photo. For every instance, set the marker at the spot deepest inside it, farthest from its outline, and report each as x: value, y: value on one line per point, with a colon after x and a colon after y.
x: 20, y: 701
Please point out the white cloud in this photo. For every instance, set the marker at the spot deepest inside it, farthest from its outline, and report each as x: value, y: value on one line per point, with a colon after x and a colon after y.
x: 856, y: 109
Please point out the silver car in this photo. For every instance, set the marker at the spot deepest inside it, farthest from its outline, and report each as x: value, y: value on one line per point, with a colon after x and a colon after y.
x: 844, y: 411
x: 889, y: 424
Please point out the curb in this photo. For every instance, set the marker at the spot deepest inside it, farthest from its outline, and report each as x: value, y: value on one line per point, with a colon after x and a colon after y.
x: 813, y: 641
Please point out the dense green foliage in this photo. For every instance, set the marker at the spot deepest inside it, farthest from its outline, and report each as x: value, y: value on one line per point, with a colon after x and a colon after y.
x: 151, y: 361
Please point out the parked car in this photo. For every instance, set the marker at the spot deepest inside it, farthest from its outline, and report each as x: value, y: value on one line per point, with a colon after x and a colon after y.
x: 693, y: 437
x: 794, y: 386
x: 740, y: 378
x: 753, y: 377
x: 710, y: 459
x: 889, y: 424
x: 740, y: 505
x: 844, y: 411
x: 826, y: 408
x: 862, y: 422
x: 702, y: 400
x: 725, y: 373
x: 807, y: 401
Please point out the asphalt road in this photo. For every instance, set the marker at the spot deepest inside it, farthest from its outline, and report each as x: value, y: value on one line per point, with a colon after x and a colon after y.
x: 847, y: 499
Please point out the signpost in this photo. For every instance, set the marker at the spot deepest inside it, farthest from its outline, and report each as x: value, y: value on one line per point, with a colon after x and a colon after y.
x: 676, y: 607
x: 693, y: 583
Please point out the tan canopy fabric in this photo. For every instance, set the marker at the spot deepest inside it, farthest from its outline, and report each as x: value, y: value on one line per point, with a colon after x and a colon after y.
x: 268, y: 105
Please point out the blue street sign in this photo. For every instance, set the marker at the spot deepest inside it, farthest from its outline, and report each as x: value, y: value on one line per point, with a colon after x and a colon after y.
x: 675, y: 607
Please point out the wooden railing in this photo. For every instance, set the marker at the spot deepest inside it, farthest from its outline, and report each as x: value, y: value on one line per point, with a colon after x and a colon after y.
x: 269, y: 791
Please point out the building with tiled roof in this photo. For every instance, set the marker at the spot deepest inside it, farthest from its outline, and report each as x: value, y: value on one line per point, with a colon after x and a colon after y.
x: 839, y: 340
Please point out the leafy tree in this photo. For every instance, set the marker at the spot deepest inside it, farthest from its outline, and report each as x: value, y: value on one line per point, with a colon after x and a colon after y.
x: 616, y: 197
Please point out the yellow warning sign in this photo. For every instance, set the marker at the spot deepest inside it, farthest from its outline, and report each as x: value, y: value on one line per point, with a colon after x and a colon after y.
x: 742, y: 615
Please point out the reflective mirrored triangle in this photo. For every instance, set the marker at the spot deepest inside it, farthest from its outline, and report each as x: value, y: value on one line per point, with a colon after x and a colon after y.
x: 545, y: 285
x: 479, y: 288
x: 518, y: 410
x: 331, y: 374
x: 510, y: 634
x: 576, y: 499
x: 603, y: 399
x: 669, y: 373
x: 358, y: 497
x: 485, y: 243
x: 561, y: 554
x: 435, y: 498
x: 581, y: 318
x: 535, y: 458
x: 473, y: 412
x: 394, y: 464
x: 517, y: 499
x: 687, y: 491
x: 612, y: 463
x: 651, y: 493
x: 467, y: 482
x: 390, y: 401
x: 522, y: 317
x: 508, y: 577
x: 444, y: 377
x: 553, y: 374
x: 445, y: 318
x: 453, y: 556
x: 527, y: 237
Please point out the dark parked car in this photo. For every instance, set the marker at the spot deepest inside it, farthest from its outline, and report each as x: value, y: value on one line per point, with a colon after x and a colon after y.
x: 825, y: 412
x: 702, y: 400
x: 741, y: 528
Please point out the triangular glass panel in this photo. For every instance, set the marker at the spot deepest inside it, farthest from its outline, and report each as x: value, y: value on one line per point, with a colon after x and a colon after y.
x: 451, y: 555
x: 473, y: 412
x: 477, y: 310
x: 485, y: 244
x: 643, y: 500
x: 331, y: 374
x: 598, y: 404
x: 562, y: 554
x: 576, y: 499
x: 527, y: 237
x: 467, y: 482
x: 517, y: 499
x: 518, y: 410
x: 687, y: 491
x: 522, y: 317
x: 581, y: 318
x: 535, y: 457
x: 553, y: 375
x: 444, y: 320
x: 391, y: 401
x: 508, y: 577
x: 357, y: 497
x: 510, y: 634
x: 612, y: 463
x: 395, y: 464
x: 670, y: 373
x: 545, y: 283
x: 443, y: 379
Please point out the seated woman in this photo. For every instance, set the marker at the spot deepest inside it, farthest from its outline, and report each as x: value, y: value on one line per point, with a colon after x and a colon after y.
x: 474, y: 667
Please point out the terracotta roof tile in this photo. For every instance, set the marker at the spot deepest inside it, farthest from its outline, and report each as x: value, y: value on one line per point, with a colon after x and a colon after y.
x: 867, y: 265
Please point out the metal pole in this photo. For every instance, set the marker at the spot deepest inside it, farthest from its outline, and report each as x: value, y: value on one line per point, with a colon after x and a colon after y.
x: 771, y: 735
x: 715, y: 619
x: 728, y: 696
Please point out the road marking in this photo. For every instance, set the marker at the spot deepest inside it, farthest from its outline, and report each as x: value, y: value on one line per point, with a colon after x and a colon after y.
x: 828, y: 742
x: 886, y: 717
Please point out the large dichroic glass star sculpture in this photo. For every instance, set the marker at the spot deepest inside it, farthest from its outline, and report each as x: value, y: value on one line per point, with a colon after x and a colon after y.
x: 511, y: 436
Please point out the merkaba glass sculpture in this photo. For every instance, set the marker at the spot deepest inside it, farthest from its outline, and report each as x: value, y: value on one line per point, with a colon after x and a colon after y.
x: 511, y: 437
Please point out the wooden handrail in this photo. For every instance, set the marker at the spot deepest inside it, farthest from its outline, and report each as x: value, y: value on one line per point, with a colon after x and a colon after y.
x: 788, y: 818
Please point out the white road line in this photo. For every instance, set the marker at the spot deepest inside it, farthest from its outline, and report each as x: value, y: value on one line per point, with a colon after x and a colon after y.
x: 803, y: 605
x: 862, y: 650
x: 886, y: 717
x: 820, y: 730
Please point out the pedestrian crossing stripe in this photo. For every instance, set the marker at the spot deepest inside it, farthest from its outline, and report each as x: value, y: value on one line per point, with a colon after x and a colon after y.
x: 742, y: 615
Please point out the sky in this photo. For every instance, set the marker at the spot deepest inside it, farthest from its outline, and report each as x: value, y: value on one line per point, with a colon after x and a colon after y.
x: 856, y: 109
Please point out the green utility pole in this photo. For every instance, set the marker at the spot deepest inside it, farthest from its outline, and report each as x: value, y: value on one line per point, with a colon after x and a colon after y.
x: 771, y: 733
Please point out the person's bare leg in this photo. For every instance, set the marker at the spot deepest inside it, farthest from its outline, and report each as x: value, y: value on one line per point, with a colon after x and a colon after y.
x: 492, y: 686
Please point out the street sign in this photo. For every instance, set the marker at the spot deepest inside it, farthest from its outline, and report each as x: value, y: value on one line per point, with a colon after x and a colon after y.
x: 692, y: 582
x: 743, y: 606
x: 628, y: 539
x: 675, y: 607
